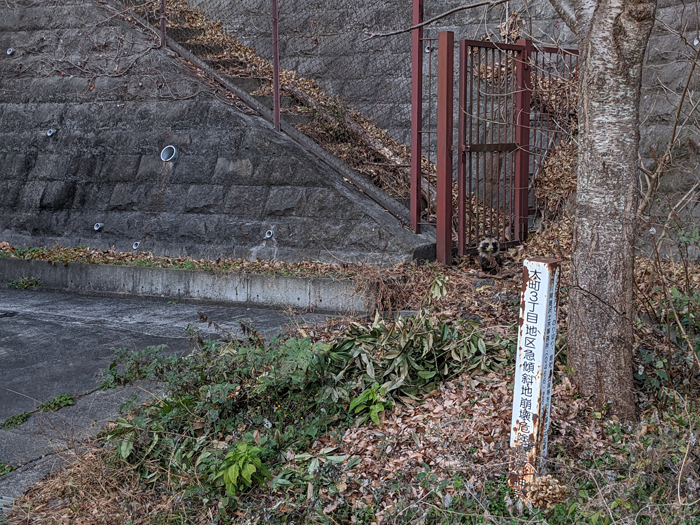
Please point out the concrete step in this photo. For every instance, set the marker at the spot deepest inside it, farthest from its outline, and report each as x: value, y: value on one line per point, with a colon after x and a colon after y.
x: 248, y: 84
x: 305, y: 293
x: 296, y: 119
x: 267, y: 101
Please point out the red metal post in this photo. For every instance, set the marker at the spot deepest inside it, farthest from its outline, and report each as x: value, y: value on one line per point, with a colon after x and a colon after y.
x: 522, y: 139
x: 276, y: 63
x: 462, y: 151
x: 445, y: 145
x: 163, y: 39
x: 416, y: 115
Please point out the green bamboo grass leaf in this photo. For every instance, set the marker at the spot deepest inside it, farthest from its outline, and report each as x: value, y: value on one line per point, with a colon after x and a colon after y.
x: 126, y: 446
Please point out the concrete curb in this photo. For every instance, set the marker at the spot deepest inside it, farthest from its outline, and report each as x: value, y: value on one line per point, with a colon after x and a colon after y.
x: 279, y: 291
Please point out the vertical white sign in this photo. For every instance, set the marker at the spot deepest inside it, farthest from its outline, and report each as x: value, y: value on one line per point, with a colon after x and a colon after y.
x: 534, y: 365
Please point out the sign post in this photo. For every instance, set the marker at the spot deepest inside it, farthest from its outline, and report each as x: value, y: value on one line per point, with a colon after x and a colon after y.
x: 534, y: 366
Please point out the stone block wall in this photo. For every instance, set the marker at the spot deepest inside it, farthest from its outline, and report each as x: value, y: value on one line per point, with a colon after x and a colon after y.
x: 114, y: 100
x: 327, y: 40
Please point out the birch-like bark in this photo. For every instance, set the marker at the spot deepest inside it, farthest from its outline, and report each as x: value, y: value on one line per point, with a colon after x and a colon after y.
x: 613, y: 36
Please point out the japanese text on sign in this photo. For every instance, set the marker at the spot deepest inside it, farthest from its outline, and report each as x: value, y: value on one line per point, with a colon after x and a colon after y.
x: 534, y: 364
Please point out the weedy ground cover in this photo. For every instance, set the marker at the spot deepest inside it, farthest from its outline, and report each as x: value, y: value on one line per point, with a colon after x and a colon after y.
x: 15, y: 420
x: 57, y: 403
x: 6, y: 469
x: 258, y: 431
x: 25, y: 283
x: 52, y: 405
x: 400, y: 420
x: 241, y: 414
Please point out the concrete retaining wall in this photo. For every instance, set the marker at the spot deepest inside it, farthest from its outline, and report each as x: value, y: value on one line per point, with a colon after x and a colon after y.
x: 113, y: 107
x: 315, y: 294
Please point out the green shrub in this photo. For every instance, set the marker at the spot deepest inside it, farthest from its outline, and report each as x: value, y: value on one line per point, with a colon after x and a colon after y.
x: 241, y: 467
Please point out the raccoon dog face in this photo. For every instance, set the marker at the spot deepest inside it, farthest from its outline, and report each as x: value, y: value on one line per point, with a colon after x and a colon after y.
x: 489, y: 245
x: 489, y: 253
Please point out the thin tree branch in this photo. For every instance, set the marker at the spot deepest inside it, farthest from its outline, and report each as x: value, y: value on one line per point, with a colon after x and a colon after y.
x: 666, y: 157
x: 566, y: 11
x: 370, y: 36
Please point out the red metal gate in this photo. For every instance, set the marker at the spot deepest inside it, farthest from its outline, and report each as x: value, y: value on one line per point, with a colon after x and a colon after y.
x: 492, y: 174
x: 515, y: 102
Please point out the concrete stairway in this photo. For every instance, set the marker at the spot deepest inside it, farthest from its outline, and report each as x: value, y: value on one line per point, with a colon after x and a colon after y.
x: 112, y: 101
x: 292, y: 113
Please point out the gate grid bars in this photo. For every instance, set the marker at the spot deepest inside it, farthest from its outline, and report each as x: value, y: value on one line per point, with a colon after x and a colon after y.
x: 515, y: 103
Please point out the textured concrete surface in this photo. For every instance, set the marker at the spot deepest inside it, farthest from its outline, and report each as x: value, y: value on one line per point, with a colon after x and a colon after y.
x: 113, y: 107
x: 50, y: 341
x: 280, y: 291
x: 327, y: 41
x: 47, y: 440
x: 53, y: 343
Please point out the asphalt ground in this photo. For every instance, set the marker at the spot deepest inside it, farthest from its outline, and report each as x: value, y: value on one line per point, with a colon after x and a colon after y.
x: 55, y: 343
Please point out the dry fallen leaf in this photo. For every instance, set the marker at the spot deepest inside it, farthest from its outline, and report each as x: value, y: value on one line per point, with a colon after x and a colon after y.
x: 330, y: 508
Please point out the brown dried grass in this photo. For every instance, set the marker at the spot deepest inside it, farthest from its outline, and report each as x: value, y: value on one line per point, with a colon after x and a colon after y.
x: 93, y: 489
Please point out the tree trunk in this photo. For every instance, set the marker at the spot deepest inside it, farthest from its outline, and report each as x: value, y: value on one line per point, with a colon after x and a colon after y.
x: 613, y: 36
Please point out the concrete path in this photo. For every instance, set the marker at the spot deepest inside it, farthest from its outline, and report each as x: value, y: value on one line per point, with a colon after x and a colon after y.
x: 53, y: 343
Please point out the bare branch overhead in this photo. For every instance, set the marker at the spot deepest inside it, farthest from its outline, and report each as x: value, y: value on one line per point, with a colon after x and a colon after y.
x: 434, y: 19
x: 566, y: 11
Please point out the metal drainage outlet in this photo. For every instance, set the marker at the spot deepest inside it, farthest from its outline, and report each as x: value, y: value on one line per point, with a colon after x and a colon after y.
x: 98, y: 226
x: 50, y: 132
x: 269, y: 234
x: 10, y: 50
x: 168, y: 154
x: 136, y: 245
